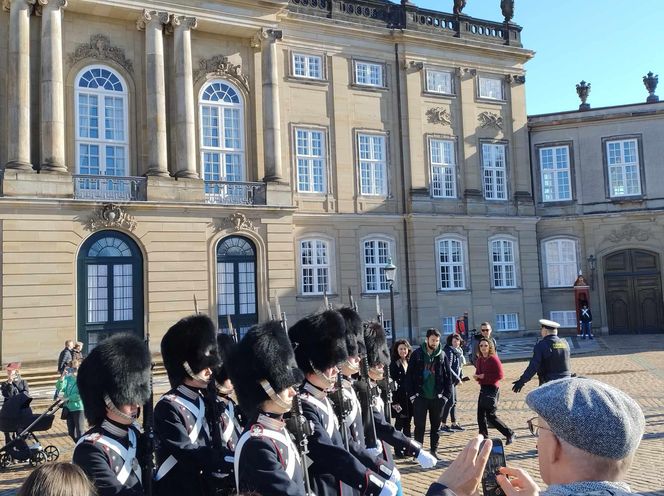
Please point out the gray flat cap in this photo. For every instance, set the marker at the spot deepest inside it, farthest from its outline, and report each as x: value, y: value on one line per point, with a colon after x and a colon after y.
x: 590, y: 415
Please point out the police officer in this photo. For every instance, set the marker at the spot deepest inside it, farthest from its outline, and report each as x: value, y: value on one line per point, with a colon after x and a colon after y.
x: 550, y: 357
x: 113, y: 381
x: 263, y: 371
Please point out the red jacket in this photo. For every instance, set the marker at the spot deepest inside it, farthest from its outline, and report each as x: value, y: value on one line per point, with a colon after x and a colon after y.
x: 491, y: 368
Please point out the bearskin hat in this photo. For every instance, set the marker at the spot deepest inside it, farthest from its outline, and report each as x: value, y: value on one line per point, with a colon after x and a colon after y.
x: 354, y: 332
x: 118, y: 367
x: 193, y: 340
x: 376, y: 342
x: 319, y: 341
x: 264, y: 353
x: 225, y: 343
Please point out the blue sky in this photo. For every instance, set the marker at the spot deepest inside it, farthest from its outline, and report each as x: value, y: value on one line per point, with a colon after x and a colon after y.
x: 610, y: 43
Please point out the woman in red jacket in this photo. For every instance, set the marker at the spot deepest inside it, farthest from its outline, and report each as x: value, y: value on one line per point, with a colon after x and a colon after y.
x: 488, y: 372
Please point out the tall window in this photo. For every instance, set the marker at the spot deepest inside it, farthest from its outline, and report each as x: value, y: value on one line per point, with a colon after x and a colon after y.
x: 310, y: 160
x: 373, y: 164
x: 315, y: 266
x: 566, y: 318
x: 507, y: 322
x: 555, y: 171
x: 443, y: 168
x: 561, y: 268
x: 307, y: 66
x: 222, y: 139
x: 449, y: 324
x: 622, y: 157
x: 451, y: 264
x: 439, y: 82
x: 102, y: 137
x: 503, y: 263
x: 491, y: 88
x: 369, y: 74
x: 494, y: 171
x: 377, y: 252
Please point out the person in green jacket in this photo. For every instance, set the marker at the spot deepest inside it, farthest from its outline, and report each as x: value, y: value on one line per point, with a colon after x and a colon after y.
x: 68, y: 387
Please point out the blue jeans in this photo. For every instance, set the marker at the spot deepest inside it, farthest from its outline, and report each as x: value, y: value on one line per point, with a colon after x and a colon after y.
x: 586, y: 329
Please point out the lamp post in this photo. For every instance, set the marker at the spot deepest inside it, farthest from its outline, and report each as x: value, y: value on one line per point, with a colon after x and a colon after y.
x: 592, y: 265
x: 390, y: 271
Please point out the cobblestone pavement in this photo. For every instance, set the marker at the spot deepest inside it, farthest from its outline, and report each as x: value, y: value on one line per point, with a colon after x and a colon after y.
x: 635, y: 364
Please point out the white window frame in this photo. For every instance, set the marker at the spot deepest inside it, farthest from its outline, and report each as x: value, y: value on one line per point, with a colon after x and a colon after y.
x: 501, y: 266
x: 318, y: 268
x: 558, y: 174
x: 375, y: 183
x: 491, y: 88
x: 560, y: 273
x: 379, y: 263
x: 494, y: 171
x: 507, y: 322
x: 618, y: 168
x: 447, y: 245
x: 448, y: 325
x: 442, y: 155
x: 566, y: 318
x: 309, y: 160
x: 362, y: 74
x: 431, y: 83
x: 307, y: 59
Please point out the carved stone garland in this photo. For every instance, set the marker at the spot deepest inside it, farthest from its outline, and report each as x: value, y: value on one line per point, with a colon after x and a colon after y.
x: 110, y: 215
x: 100, y: 48
x: 219, y: 65
x: 490, y: 119
x: 627, y: 232
x: 237, y: 221
x: 439, y: 115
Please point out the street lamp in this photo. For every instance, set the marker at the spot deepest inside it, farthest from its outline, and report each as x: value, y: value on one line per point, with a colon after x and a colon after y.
x: 592, y: 265
x: 390, y: 271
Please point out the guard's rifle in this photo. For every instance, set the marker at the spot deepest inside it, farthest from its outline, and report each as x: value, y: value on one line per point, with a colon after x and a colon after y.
x: 366, y: 396
x: 386, y: 384
x: 351, y: 300
x: 148, y: 462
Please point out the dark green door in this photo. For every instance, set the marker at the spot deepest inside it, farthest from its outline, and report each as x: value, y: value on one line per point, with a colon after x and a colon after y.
x: 110, y: 287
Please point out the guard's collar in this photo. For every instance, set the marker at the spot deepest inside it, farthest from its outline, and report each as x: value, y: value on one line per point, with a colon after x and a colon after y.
x: 314, y: 391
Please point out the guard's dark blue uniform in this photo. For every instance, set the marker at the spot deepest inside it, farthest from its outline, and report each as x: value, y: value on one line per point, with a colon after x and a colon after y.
x: 550, y: 360
x: 105, y: 455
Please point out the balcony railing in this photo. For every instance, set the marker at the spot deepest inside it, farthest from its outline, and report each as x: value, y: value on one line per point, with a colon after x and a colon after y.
x: 234, y: 193
x: 109, y: 188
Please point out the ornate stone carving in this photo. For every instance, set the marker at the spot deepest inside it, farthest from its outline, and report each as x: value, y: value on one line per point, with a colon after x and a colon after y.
x: 149, y: 15
x: 237, y: 221
x: 627, y: 233
x: 458, y: 6
x: 413, y: 66
x: 583, y: 90
x: 466, y: 71
x: 513, y: 79
x: 507, y: 8
x: 219, y: 65
x: 110, y: 215
x: 439, y: 115
x: 7, y: 4
x: 100, y: 48
x: 59, y: 4
x: 490, y: 119
x: 186, y: 22
x: 266, y: 34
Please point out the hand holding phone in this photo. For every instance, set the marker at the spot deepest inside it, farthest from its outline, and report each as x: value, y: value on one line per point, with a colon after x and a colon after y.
x: 492, y: 468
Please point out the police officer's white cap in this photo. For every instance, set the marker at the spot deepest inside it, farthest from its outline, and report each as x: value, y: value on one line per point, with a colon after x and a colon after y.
x: 549, y: 324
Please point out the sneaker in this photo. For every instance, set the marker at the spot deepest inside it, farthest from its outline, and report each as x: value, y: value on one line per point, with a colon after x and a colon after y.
x: 510, y: 439
x: 457, y: 427
x: 445, y: 428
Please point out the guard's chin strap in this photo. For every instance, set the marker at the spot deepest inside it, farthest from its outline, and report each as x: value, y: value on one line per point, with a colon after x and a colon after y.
x: 196, y: 377
x: 355, y: 368
x: 274, y: 396
x: 111, y: 406
x: 329, y: 381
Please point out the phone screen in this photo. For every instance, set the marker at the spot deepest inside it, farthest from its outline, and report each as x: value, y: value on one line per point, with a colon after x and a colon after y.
x: 496, y: 460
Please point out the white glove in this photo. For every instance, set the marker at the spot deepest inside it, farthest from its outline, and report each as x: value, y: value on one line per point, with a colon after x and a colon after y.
x: 389, y: 489
x: 396, y: 476
x: 377, y: 451
x: 426, y: 459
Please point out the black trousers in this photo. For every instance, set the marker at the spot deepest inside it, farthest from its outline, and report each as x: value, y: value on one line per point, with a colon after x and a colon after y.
x: 434, y: 408
x: 488, y: 415
x: 450, y: 407
x: 402, y: 422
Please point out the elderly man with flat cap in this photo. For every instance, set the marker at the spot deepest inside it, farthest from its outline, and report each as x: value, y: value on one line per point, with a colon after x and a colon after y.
x: 550, y: 357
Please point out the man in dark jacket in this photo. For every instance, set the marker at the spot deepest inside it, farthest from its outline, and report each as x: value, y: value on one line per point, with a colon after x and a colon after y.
x: 428, y: 383
x: 66, y: 356
x: 485, y: 332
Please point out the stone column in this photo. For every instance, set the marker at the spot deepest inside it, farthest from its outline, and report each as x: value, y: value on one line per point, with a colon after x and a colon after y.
x: 18, y: 84
x: 52, y: 87
x: 271, y: 114
x: 184, y: 88
x: 155, y: 90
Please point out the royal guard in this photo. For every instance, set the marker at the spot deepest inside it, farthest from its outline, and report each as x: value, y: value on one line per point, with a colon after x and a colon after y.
x: 114, y: 381
x: 230, y: 417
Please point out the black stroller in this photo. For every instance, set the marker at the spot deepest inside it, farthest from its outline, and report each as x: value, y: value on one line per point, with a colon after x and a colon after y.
x: 16, y: 418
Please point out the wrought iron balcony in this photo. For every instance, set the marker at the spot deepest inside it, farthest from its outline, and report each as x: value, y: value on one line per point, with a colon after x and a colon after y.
x: 235, y: 193
x: 109, y: 188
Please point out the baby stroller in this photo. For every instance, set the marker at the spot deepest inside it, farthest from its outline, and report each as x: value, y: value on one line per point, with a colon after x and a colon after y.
x: 16, y: 418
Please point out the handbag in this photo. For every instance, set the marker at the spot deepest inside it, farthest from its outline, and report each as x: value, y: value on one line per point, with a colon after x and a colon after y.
x: 488, y: 400
x: 65, y: 413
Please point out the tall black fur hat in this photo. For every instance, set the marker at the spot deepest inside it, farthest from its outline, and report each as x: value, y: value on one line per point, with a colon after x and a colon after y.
x: 264, y: 353
x: 118, y: 367
x: 377, y: 351
x: 225, y: 343
x: 319, y: 341
x: 193, y: 340
x: 354, y: 332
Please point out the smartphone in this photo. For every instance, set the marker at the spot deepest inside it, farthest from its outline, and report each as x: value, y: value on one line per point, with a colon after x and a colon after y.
x: 496, y: 460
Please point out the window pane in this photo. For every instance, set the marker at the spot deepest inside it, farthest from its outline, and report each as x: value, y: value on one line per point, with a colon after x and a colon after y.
x: 439, y: 81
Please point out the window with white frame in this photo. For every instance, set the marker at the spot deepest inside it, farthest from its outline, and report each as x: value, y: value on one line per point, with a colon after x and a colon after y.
x: 310, y: 160
x: 560, y: 259
x: 494, y: 170
x: 449, y: 325
x: 503, y: 263
x: 622, y: 158
x: 439, y: 81
x: 315, y: 266
x: 507, y: 322
x: 102, y: 137
x: 369, y: 74
x: 555, y: 173
x: 377, y: 252
x: 373, y: 164
x: 443, y: 168
x: 566, y: 318
x: 491, y: 88
x: 451, y: 264
x: 307, y: 66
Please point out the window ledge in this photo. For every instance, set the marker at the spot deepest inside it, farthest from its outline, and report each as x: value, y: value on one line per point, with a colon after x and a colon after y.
x: 308, y: 81
x: 307, y: 297
x: 439, y: 95
x: 456, y: 291
x: 380, y: 294
x: 490, y: 100
x: 557, y: 203
x: 627, y: 199
x: 379, y: 89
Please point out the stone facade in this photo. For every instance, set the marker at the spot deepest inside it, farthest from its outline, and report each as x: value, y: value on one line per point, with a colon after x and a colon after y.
x: 398, y: 80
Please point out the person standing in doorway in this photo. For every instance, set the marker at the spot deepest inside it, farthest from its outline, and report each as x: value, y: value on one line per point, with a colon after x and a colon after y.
x: 586, y: 319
